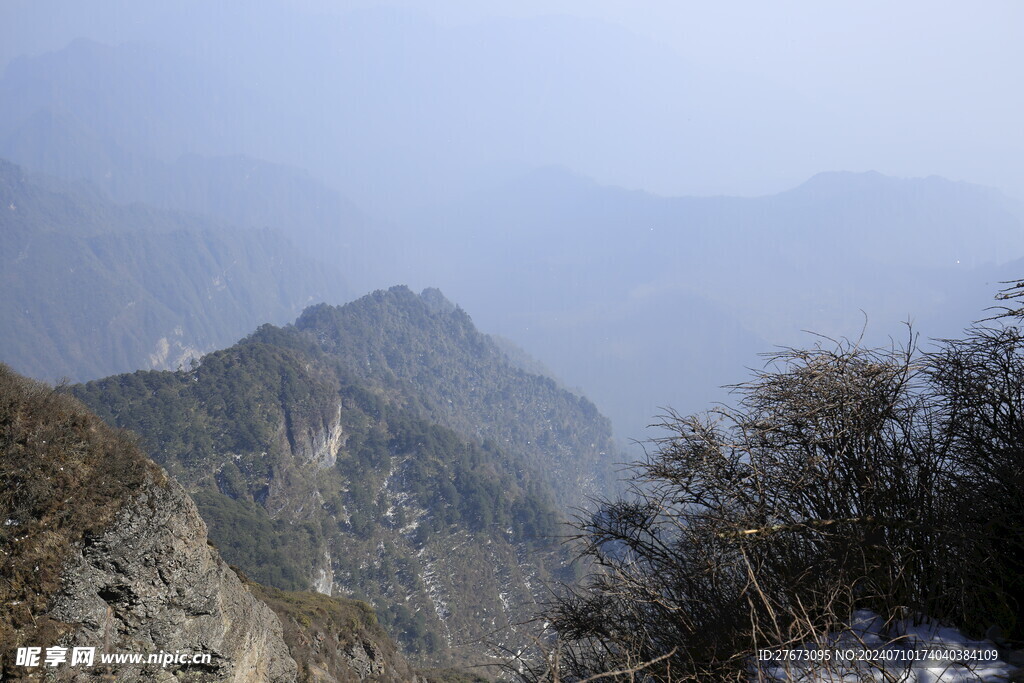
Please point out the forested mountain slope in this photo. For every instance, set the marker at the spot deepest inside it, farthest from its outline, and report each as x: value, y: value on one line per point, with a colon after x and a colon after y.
x: 462, y: 379
x: 386, y: 450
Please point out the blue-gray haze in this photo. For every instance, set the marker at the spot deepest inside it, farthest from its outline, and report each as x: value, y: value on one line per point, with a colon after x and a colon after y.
x: 569, y: 171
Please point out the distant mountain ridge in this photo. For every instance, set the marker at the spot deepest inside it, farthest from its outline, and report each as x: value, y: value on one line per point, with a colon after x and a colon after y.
x: 234, y: 190
x: 650, y: 302
x: 135, y: 94
x: 579, y: 273
x: 91, y: 287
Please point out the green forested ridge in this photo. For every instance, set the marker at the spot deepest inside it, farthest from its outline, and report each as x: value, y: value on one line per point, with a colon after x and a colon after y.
x: 464, y: 381
x: 385, y: 450
x: 91, y: 287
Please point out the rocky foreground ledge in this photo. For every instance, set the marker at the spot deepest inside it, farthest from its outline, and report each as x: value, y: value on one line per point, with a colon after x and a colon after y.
x: 104, y: 558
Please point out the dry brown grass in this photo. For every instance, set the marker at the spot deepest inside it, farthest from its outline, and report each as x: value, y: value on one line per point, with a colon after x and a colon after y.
x: 63, y: 476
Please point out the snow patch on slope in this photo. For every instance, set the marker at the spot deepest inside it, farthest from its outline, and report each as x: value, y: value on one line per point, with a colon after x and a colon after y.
x: 906, y: 650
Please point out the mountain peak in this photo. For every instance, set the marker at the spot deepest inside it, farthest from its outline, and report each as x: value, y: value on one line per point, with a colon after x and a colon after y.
x: 832, y: 183
x: 436, y: 301
x: 844, y: 181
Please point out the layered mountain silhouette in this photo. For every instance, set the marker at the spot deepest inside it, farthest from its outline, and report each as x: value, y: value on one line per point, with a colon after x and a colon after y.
x: 92, y: 287
x: 577, y: 272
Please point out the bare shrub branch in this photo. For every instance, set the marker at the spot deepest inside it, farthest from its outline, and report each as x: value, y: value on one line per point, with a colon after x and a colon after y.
x: 842, y: 478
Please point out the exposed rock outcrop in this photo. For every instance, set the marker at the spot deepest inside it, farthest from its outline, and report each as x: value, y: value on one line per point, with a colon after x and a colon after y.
x: 319, y: 443
x: 151, y: 584
x: 101, y: 549
x: 337, y: 640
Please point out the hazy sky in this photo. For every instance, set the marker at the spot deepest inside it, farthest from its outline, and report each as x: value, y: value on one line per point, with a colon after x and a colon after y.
x: 749, y: 97
x: 907, y: 88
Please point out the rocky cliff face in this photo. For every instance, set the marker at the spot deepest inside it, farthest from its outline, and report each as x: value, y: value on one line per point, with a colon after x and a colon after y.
x: 335, y: 640
x: 100, y: 549
x: 151, y: 583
